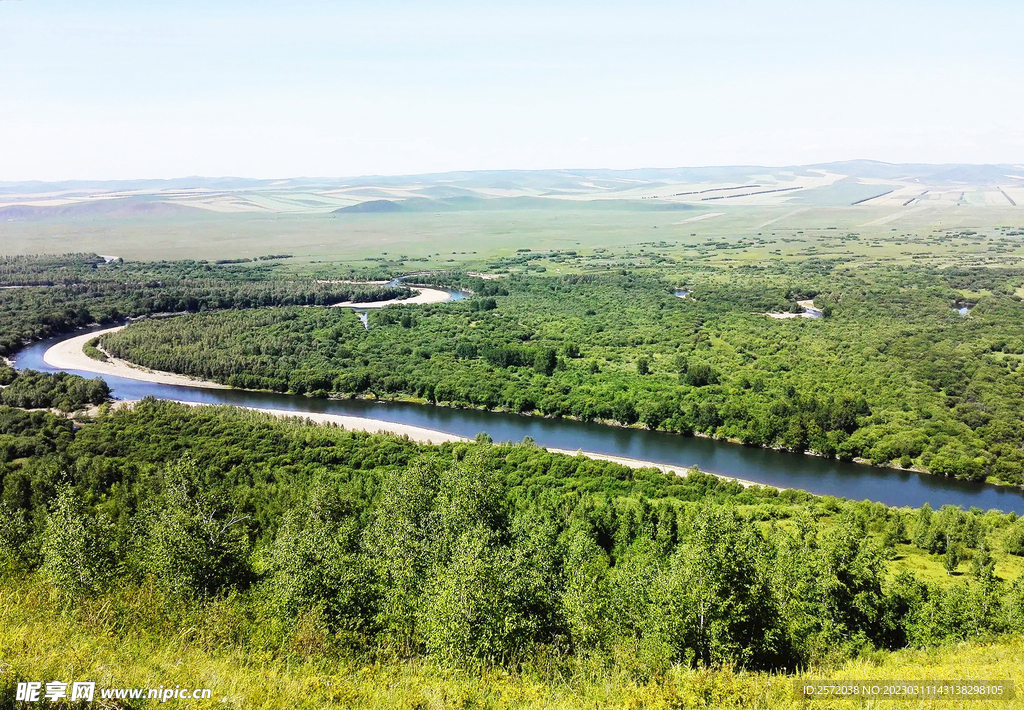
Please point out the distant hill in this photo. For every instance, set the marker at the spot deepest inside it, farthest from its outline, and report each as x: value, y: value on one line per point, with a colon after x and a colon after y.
x: 96, y: 208
x: 457, y: 182
x: 855, y: 183
x: 372, y: 206
x: 923, y: 172
x: 223, y: 183
x: 469, y: 203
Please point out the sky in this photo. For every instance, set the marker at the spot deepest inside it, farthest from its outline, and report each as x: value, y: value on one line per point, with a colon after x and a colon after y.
x: 119, y: 90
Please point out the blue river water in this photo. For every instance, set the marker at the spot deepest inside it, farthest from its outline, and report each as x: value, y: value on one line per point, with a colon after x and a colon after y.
x: 774, y: 468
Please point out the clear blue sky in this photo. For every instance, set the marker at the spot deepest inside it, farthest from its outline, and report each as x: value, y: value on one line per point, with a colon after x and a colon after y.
x: 279, y: 89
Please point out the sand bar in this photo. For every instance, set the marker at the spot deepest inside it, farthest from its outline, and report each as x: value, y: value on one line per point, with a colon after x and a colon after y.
x: 784, y: 316
x: 432, y: 436
x: 373, y: 426
x: 68, y: 355
x: 809, y: 311
x: 664, y: 468
x: 423, y: 296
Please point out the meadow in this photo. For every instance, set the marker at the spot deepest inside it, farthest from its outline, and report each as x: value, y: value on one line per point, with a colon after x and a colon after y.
x: 87, y: 645
x: 468, y: 238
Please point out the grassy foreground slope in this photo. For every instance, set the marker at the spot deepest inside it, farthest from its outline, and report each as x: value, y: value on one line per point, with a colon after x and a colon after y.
x: 284, y: 564
x: 102, y: 642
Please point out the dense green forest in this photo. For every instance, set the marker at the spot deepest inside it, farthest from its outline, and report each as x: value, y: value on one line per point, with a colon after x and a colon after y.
x: 893, y: 373
x: 43, y: 390
x: 49, y: 295
x: 475, y: 555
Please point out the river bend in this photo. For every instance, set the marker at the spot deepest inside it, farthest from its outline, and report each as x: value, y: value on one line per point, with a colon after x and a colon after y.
x: 773, y: 468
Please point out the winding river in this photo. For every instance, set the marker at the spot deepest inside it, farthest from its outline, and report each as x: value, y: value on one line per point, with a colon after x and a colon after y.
x: 775, y: 468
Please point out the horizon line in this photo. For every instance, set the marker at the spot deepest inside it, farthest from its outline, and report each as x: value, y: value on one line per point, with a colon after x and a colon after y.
x: 505, y: 170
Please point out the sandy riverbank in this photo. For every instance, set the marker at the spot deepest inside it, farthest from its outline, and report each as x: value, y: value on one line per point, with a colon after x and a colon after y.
x: 68, y: 355
x: 664, y: 468
x: 373, y: 426
x: 423, y: 435
x: 809, y: 311
x: 485, y: 277
x: 423, y: 296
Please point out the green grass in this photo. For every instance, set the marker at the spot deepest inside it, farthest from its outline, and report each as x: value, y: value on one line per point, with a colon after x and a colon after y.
x: 930, y: 568
x: 444, y: 239
x: 41, y: 641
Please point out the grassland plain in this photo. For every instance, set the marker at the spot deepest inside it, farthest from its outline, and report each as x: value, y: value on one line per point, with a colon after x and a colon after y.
x: 452, y: 237
x: 442, y: 217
